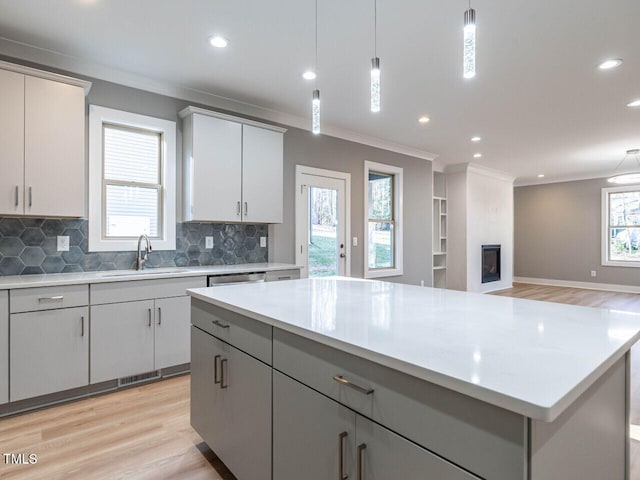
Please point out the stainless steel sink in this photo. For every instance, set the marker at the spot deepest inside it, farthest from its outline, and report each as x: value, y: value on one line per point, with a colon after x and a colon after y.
x: 147, y: 272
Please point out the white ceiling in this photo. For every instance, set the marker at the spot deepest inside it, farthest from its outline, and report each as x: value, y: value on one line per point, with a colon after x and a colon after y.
x: 538, y: 100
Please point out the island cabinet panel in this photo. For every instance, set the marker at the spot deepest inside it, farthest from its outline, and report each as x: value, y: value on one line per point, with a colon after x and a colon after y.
x: 482, y: 438
x: 598, y: 421
x: 4, y: 347
x: 244, y: 333
x: 311, y: 433
x: 122, y: 340
x: 49, y: 352
x: 232, y: 405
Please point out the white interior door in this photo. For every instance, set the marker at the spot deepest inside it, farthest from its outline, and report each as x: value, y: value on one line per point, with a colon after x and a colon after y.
x: 322, y: 222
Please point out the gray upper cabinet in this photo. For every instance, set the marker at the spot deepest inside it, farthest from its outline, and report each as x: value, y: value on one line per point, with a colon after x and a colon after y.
x: 233, y: 168
x: 4, y: 347
x: 42, y: 140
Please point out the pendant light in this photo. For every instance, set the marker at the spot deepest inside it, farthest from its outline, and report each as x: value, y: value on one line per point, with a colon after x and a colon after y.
x: 375, y: 64
x: 315, y: 100
x: 626, y: 178
x: 469, y: 50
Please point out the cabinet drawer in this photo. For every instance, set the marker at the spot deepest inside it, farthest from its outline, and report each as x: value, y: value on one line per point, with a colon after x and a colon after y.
x: 292, y: 274
x: 48, y: 298
x: 132, y: 291
x: 480, y: 437
x: 244, y: 333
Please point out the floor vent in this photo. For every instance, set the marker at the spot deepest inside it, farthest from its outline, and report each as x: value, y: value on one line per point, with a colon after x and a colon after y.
x: 142, y: 377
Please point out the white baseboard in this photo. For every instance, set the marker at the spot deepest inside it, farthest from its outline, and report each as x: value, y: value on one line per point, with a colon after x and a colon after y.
x: 609, y: 287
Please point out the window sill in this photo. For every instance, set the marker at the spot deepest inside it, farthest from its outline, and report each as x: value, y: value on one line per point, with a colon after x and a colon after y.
x: 613, y: 263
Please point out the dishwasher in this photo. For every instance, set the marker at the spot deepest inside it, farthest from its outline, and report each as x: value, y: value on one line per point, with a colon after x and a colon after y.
x: 235, y: 278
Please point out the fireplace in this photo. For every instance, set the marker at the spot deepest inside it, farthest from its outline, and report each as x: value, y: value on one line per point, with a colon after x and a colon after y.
x: 490, y: 263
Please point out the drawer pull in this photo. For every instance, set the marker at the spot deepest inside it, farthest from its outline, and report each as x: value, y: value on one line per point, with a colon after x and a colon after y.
x: 361, y: 449
x: 216, y: 359
x: 218, y: 324
x: 57, y: 298
x: 223, y: 362
x: 357, y: 388
x: 285, y: 278
x: 341, y: 474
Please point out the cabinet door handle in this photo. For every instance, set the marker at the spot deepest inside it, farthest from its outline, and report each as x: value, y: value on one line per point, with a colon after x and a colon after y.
x: 361, y: 449
x: 223, y: 362
x: 149, y: 311
x: 238, y: 210
x: 357, y: 388
x: 341, y: 474
x: 216, y: 359
x: 57, y: 298
x: 82, y: 326
x: 16, y: 196
x: 218, y: 324
x: 159, y: 316
x: 30, y: 197
x: 246, y: 208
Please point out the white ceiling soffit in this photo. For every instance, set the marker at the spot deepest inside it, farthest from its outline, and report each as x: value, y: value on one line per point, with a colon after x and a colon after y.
x: 538, y: 101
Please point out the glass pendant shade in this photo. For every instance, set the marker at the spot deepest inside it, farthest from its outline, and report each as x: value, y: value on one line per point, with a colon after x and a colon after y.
x: 469, y: 52
x: 315, y: 112
x: 375, y: 84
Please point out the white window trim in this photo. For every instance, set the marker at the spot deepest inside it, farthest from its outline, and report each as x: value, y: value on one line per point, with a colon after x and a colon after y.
x: 97, y: 117
x: 605, y: 227
x: 397, y: 215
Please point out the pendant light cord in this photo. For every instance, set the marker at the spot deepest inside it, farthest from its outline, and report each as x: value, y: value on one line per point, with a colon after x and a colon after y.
x: 316, y: 11
x: 375, y: 28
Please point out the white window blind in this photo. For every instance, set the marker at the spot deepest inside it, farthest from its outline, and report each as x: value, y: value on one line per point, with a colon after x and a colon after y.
x: 132, y: 189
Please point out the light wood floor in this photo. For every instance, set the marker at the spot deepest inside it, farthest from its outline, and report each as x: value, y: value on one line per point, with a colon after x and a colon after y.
x: 144, y: 432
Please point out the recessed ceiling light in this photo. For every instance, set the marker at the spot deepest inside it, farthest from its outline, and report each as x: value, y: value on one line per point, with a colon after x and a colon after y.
x: 424, y: 119
x: 477, y: 155
x: 476, y: 139
x: 309, y: 75
x: 541, y: 175
x: 611, y: 63
x: 218, y: 41
x: 635, y: 103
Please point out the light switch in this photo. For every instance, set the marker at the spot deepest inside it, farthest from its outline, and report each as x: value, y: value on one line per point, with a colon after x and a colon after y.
x: 63, y: 243
x: 263, y: 242
x: 208, y: 242
x: 355, y: 241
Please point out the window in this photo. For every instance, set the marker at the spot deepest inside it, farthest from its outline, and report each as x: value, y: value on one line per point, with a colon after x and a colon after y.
x: 621, y: 226
x: 383, y: 228
x: 132, y: 180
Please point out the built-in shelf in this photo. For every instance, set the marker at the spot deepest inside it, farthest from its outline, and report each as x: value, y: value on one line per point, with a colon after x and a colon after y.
x: 439, y: 230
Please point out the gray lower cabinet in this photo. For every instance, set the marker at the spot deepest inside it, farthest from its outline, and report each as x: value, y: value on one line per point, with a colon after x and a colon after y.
x: 4, y: 347
x: 172, y: 322
x: 137, y: 337
x: 122, y: 340
x: 316, y: 438
x: 231, y: 405
x: 49, y: 352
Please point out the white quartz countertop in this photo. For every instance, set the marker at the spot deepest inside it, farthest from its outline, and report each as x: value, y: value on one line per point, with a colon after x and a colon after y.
x: 531, y: 357
x: 53, y: 279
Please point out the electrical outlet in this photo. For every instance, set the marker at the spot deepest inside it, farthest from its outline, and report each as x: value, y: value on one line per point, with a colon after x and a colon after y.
x: 355, y: 241
x: 263, y: 242
x: 63, y: 243
x: 208, y: 242
x: 593, y: 273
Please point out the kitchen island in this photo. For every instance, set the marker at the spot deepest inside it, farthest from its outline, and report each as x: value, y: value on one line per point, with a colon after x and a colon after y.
x: 324, y: 378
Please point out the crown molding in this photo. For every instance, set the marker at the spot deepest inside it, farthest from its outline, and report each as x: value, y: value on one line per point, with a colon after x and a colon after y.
x: 480, y: 170
x: 81, y: 66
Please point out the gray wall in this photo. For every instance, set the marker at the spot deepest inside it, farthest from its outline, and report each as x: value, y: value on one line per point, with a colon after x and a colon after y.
x: 303, y: 148
x: 558, y: 234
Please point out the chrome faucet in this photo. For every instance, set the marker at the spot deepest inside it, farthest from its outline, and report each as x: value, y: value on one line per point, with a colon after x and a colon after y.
x: 142, y: 259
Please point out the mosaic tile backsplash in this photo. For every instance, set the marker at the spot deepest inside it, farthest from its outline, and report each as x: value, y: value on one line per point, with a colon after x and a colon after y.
x: 29, y: 246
